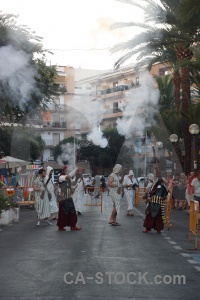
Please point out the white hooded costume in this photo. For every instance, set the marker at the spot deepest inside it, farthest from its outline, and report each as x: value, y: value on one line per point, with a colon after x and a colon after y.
x: 53, y: 207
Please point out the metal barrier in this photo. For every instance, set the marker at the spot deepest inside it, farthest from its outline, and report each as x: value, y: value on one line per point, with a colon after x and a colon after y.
x: 194, y: 221
x: 95, y: 195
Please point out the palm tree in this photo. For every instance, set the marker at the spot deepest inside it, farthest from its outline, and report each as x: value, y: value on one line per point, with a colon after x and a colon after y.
x: 163, y: 39
x: 189, y: 11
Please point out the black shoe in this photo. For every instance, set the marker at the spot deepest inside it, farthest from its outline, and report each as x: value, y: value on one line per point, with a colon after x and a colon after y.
x: 79, y: 213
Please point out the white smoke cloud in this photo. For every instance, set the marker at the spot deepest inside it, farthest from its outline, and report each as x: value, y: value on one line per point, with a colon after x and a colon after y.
x: 16, y: 74
x: 67, y: 156
x: 96, y: 137
x: 141, y: 102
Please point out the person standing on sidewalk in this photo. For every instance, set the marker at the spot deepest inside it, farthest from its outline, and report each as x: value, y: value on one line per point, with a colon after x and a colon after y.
x: 41, y: 197
x: 129, y: 185
x: 189, y: 190
x: 115, y: 188
x: 196, y: 187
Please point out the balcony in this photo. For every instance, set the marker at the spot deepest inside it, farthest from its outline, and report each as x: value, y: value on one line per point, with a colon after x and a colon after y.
x: 53, y: 125
x: 50, y: 143
x: 59, y: 124
x: 117, y: 90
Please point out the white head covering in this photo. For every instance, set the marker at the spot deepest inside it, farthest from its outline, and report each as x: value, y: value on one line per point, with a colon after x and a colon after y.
x: 48, y: 171
x: 130, y: 173
x: 150, y: 176
x: 117, y: 168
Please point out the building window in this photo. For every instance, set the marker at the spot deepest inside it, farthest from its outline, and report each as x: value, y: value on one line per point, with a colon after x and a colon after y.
x: 116, y: 107
x: 51, y: 152
x: 56, y: 138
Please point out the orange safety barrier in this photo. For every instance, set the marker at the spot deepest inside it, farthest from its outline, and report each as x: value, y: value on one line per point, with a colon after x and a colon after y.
x: 169, y: 203
x: 194, y: 221
x: 168, y: 209
x: 137, y: 197
x: 139, y: 193
x: 92, y: 193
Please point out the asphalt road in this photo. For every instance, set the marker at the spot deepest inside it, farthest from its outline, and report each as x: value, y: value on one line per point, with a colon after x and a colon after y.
x: 100, y: 261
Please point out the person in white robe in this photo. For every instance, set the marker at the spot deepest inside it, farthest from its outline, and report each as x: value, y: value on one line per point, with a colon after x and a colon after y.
x: 79, y: 193
x: 41, y: 198
x: 53, y: 206
x: 115, y: 188
x: 129, y: 184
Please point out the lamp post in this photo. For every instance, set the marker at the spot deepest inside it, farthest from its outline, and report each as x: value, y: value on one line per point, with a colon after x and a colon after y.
x: 194, y: 130
x: 173, y: 139
x: 159, y: 145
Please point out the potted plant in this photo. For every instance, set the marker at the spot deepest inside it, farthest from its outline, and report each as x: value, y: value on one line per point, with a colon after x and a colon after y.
x: 15, y: 210
x: 5, y: 212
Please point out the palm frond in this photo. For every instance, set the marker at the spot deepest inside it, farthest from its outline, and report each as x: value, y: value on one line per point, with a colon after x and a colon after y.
x: 188, y: 10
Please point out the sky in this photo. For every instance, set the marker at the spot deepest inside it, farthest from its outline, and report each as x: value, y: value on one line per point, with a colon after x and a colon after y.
x: 71, y: 28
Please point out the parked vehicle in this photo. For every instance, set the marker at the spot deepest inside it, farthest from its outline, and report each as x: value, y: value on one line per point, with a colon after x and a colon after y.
x: 141, y: 181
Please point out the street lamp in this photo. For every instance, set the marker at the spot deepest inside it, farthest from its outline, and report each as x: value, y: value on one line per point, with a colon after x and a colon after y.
x: 194, y: 130
x: 159, y: 146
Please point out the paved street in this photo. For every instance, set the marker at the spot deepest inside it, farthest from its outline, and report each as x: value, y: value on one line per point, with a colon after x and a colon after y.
x: 35, y: 260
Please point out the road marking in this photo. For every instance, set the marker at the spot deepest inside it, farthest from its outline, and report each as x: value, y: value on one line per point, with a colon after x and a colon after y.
x: 185, y: 254
x: 192, y: 261
x: 114, y: 257
x: 172, y: 243
x: 178, y: 248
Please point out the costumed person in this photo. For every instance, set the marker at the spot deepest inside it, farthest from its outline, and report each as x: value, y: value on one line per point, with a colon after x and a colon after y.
x: 89, y: 185
x: 67, y: 213
x: 155, y: 215
x: 53, y: 207
x: 103, y: 183
x: 115, y: 188
x: 41, y: 197
x: 130, y: 184
x: 79, y: 193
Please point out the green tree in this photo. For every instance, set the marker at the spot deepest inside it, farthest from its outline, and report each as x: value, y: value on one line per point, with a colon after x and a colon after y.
x: 26, y: 82
x: 23, y: 143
